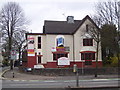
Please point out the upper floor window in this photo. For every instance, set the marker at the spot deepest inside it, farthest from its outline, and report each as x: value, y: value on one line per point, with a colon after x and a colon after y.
x: 87, y: 28
x: 60, y: 42
x: 39, y: 42
x: 88, y: 42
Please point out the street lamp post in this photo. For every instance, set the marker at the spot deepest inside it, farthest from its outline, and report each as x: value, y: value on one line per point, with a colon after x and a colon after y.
x: 75, y: 70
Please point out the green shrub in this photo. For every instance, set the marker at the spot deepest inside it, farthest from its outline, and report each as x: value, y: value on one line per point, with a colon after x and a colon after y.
x: 110, y: 62
x: 5, y: 62
x: 114, y: 61
x: 107, y: 62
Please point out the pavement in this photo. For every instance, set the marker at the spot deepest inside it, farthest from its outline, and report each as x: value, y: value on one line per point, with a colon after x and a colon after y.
x: 16, y: 75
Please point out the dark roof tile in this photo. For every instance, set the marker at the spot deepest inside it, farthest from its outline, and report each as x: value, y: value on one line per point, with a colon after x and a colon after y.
x: 63, y: 27
x: 60, y: 27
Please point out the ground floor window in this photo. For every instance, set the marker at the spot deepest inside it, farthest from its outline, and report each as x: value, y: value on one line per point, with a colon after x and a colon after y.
x: 39, y: 59
x: 88, y: 56
x: 56, y: 56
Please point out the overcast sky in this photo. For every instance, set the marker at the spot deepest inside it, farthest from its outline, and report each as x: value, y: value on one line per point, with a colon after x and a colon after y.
x: 36, y: 11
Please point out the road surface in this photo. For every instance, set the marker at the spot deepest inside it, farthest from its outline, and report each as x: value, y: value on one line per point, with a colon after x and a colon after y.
x: 59, y: 83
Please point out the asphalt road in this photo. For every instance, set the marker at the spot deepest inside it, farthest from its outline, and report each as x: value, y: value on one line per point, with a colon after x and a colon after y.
x: 59, y: 83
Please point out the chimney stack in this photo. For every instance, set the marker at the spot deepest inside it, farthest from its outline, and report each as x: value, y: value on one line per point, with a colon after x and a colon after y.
x: 70, y: 19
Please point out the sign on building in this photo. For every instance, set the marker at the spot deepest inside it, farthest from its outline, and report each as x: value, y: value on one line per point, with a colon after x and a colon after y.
x: 53, y: 49
x: 63, y: 61
x: 31, y: 52
x: 31, y: 47
x: 60, y: 41
x: 60, y: 48
x: 30, y: 39
x: 67, y: 48
x: 13, y: 54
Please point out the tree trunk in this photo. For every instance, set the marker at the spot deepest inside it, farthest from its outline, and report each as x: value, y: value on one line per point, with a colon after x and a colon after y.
x: 19, y: 54
x: 96, y: 59
x: 9, y: 57
x: 118, y: 56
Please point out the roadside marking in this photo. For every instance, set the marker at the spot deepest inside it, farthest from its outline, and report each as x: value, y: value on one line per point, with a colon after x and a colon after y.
x: 66, y: 81
x: 50, y: 81
x: 16, y: 80
x: 34, y: 80
x: 106, y: 79
x: 36, y: 84
x: 23, y: 80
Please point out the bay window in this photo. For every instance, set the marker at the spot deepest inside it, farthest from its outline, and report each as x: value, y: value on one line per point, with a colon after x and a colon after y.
x: 88, y: 56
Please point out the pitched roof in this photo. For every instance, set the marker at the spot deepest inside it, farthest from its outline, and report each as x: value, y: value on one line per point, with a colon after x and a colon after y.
x: 60, y: 27
x: 63, y: 27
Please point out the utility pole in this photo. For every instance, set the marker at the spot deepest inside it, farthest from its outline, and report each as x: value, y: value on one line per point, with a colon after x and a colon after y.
x: 119, y: 33
x: 119, y: 16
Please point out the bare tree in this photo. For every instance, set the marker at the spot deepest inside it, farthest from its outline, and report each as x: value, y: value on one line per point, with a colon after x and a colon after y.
x: 12, y: 21
x: 109, y: 13
x: 19, y: 40
x: 94, y: 32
